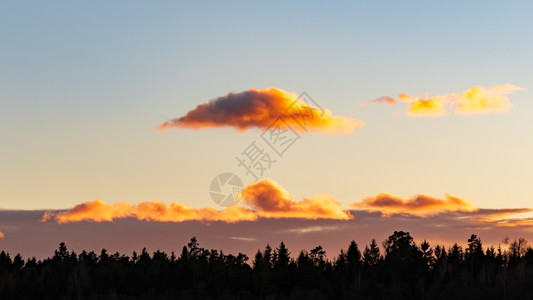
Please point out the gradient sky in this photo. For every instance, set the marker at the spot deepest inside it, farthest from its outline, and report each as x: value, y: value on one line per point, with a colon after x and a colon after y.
x: 83, y: 87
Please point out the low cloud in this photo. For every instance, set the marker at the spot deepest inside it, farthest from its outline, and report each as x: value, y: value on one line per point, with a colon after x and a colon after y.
x: 509, y: 217
x: 270, y: 200
x: 476, y: 100
x: 264, y: 199
x: 98, y: 211
x: 245, y: 239
x: 312, y: 229
x: 34, y: 238
x: 419, y: 205
x: 260, y: 109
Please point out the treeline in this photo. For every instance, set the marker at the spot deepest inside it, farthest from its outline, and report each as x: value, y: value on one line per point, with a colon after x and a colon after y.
x: 404, y: 270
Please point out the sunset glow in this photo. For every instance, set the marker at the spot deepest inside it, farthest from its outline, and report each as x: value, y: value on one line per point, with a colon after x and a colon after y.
x: 266, y: 150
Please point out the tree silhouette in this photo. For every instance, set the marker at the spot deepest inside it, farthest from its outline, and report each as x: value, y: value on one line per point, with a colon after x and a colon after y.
x: 427, y: 255
x: 281, y: 257
x: 407, y: 271
x: 371, y: 254
x: 353, y: 255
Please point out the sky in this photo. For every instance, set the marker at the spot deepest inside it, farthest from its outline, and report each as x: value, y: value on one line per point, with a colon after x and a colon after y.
x: 84, y: 88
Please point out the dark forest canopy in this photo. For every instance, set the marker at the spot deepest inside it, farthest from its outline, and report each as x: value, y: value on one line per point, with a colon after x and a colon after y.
x: 401, y: 269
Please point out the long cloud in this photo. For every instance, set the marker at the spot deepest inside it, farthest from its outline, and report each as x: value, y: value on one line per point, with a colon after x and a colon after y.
x: 25, y: 234
x: 419, y: 205
x: 476, y: 100
x: 98, y: 211
x: 264, y: 199
x: 260, y: 109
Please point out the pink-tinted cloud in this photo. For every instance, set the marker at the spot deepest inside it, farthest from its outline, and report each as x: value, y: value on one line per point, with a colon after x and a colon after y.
x: 419, y: 205
x: 381, y: 100
x: 505, y: 217
x: 260, y: 109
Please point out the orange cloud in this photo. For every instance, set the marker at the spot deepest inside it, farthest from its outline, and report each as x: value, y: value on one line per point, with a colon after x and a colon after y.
x: 420, y: 205
x: 265, y: 198
x: 381, y: 100
x: 270, y: 200
x: 523, y: 222
x: 2, y: 235
x: 98, y: 211
x: 433, y: 107
x: 507, y: 217
x: 476, y: 100
x: 260, y: 109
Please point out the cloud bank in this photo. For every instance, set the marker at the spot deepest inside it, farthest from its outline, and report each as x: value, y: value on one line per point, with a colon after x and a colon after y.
x: 419, y: 205
x: 98, y: 211
x: 30, y: 237
x: 506, y: 217
x: 264, y: 199
x: 476, y: 100
x: 260, y: 109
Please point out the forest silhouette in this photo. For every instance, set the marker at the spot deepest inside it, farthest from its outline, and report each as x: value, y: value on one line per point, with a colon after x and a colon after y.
x: 400, y: 269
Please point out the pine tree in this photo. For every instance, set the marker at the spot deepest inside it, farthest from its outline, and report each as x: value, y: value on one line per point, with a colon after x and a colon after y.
x: 282, y: 257
x: 372, y: 254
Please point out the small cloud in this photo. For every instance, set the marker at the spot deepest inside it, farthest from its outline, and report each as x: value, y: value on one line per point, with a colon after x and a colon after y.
x: 2, y: 235
x: 381, y: 100
x: 433, y: 107
x: 314, y: 229
x: 47, y: 216
x: 507, y: 217
x: 246, y: 239
x: 478, y: 100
